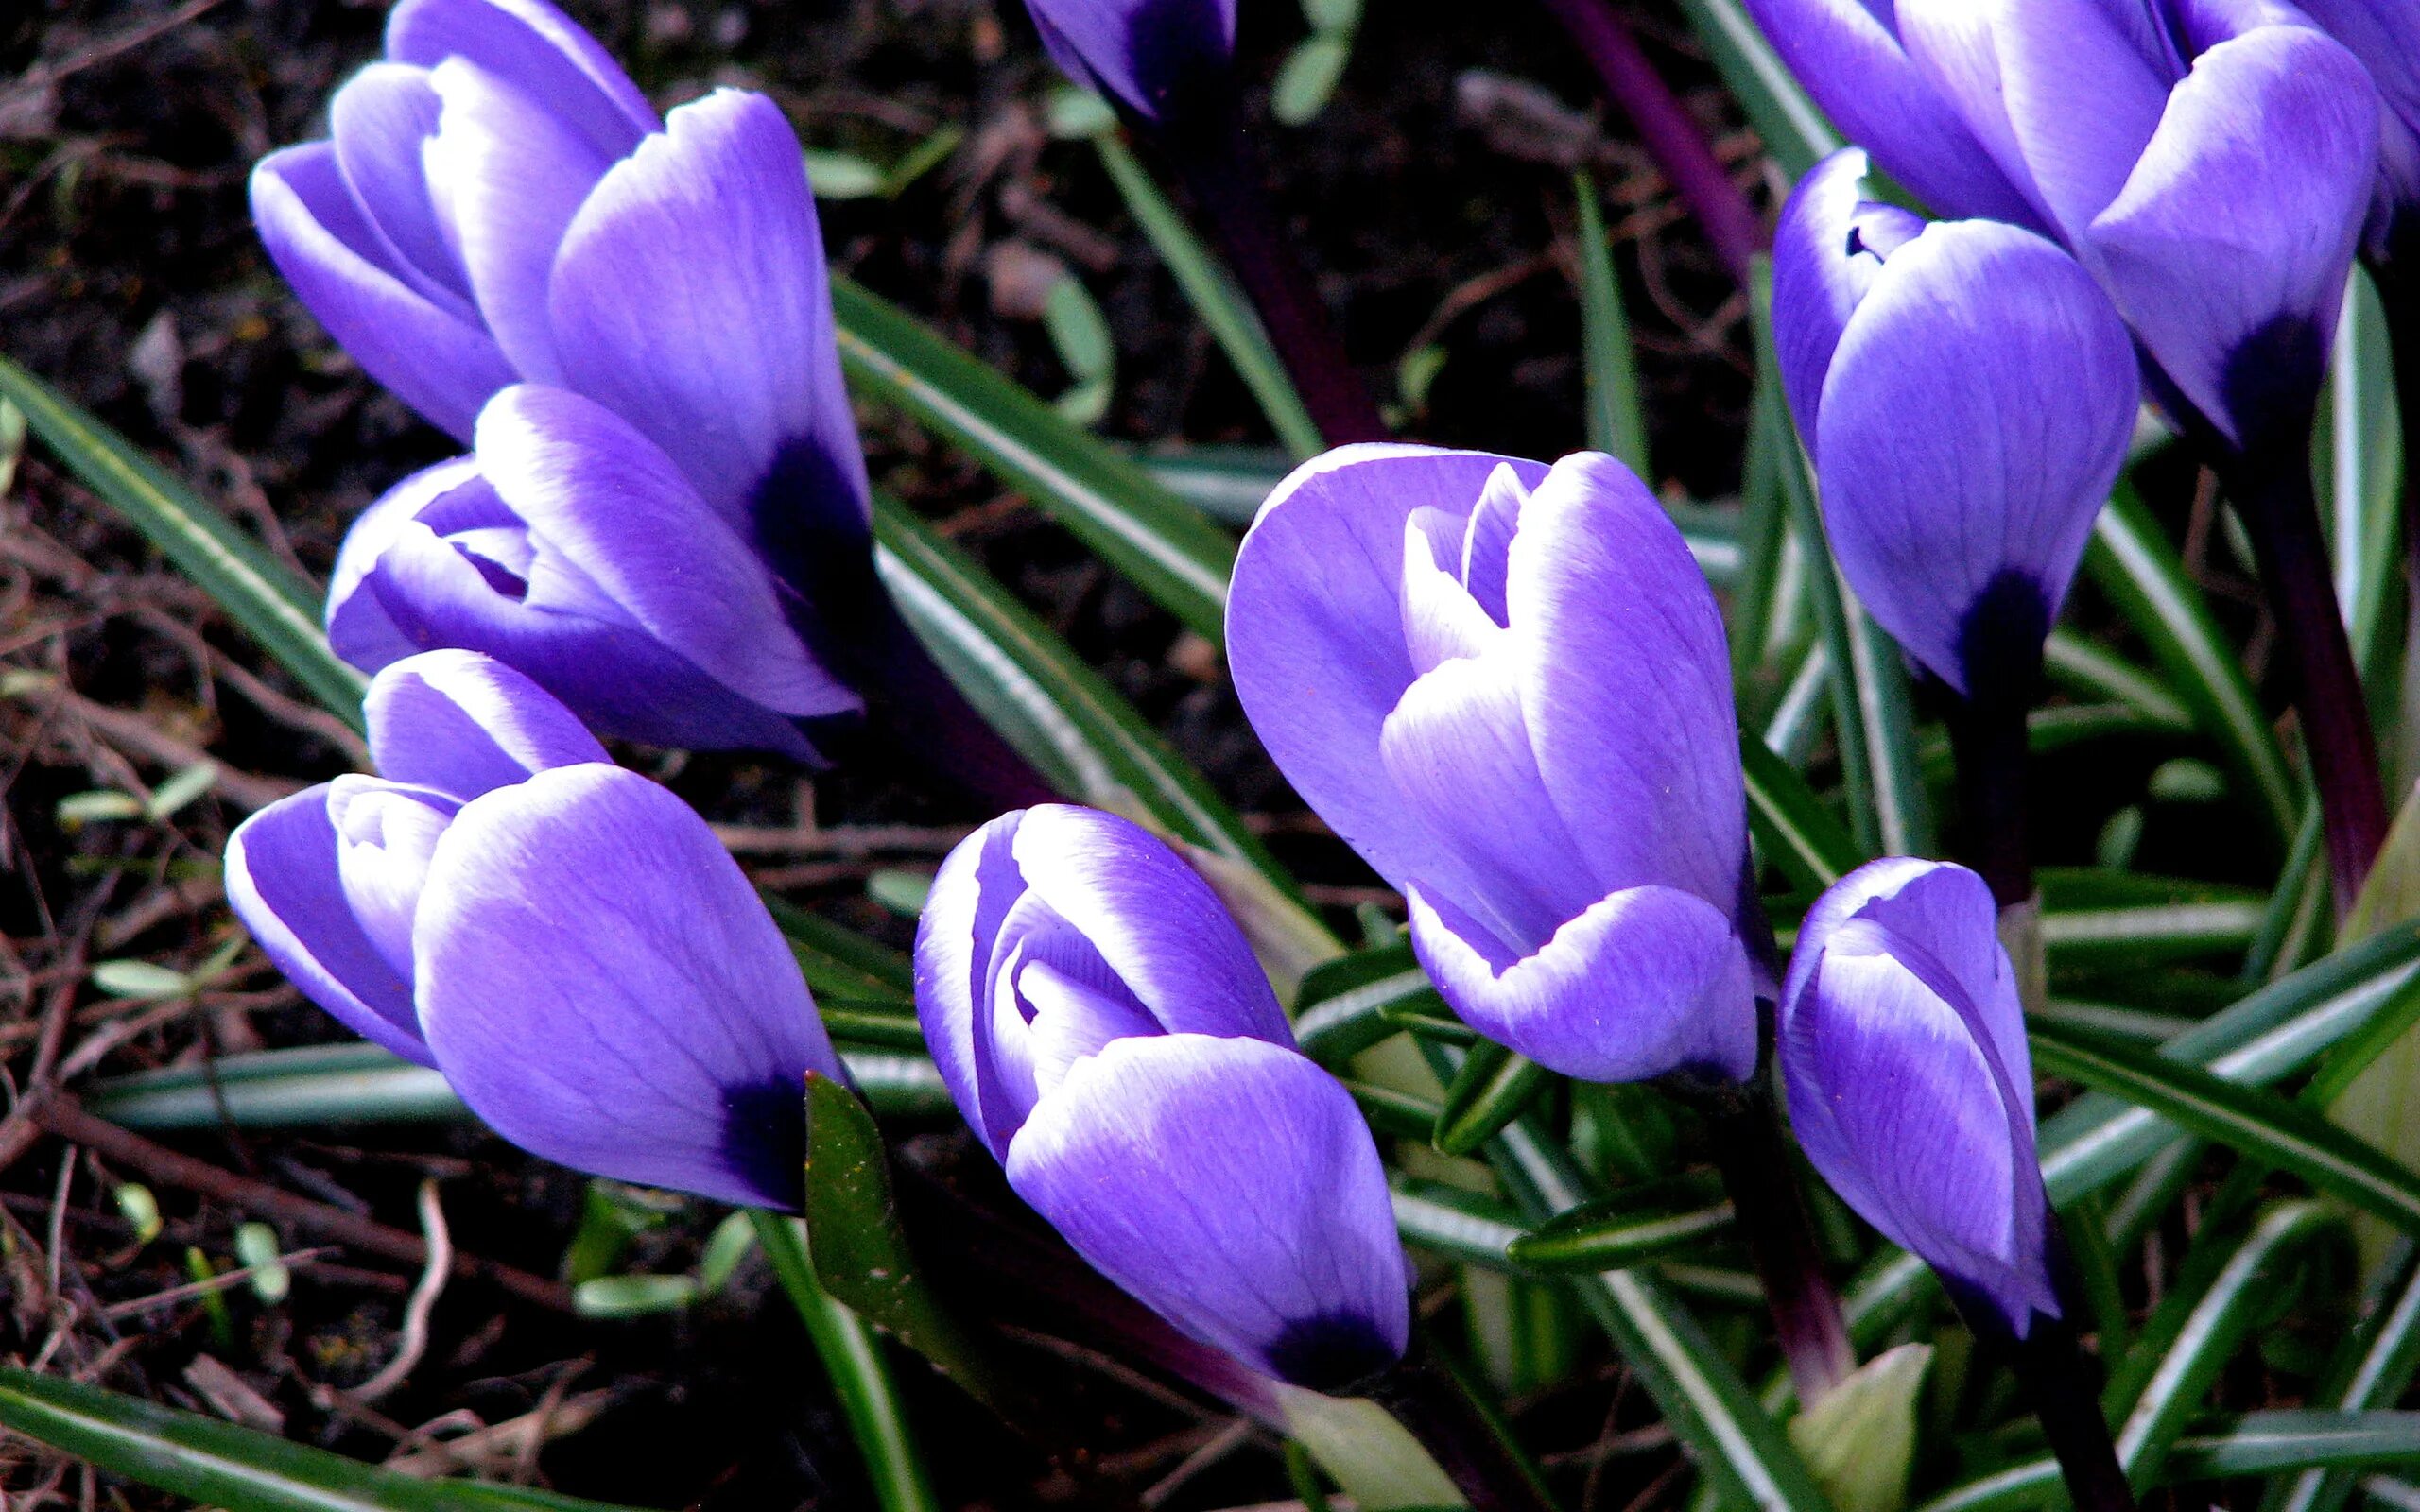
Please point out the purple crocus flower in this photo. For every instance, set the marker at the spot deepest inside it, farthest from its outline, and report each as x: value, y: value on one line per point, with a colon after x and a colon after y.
x: 565, y: 940
x: 548, y: 550
x: 2208, y: 160
x: 497, y: 202
x: 1968, y: 395
x: 1145, y: 56
x: 1902, y: 1044
x: 2385, y: 36
x: 1505, y: 686
x: 1107, y: 1033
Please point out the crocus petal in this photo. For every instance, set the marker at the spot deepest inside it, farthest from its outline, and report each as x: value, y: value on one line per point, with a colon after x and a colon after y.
x: 1139, y: 52
x: 1848, y: 54
x: 1647, y: 981
x: 1232, y: 1186
x: 1315, y: 627
x: 1821, y: 272
x: 2059, y: 92
x: 608, y: 500
x: 386, y: 834
x: 514, y: 174
x: 601, y: 984
x: 972, y: 893
x: 359, y: 628
x: 439, y: 362
x: 463, y: 723
x: 1977, y: 412
x: 539, y: 47
x: 2385, y: 36
x: 689, y: 298
x: 1152, y: 919
x: 2229, y: 247
x: 1625, y: 683
x: 381, y: 122
x: 282, y: 881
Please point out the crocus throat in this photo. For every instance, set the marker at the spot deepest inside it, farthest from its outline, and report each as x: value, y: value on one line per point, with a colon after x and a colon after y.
x: 764, y: 1137
x: 1330, y: 1351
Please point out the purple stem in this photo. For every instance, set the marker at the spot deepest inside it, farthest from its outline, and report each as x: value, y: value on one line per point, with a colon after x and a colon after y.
x: 1753, y: 1156
x: 1988, y: 738
x: 1210, y: 151
x: 2051, y: 1369
x: 1667, y: 130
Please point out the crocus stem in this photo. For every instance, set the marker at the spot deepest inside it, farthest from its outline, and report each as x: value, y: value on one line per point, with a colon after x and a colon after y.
x: 1667, y: 130
x: 1754, y: 1158
x: 1210, y: 151
x: 927, y: 719
x: 1987, y: 737
x: 1427, y: 1397
x: 2270, y: 481
x: 2051, y: 1368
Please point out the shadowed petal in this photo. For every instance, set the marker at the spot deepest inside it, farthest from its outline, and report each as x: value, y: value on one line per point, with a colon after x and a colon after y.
x: 1977, y: 412
x: 971, y: 894
x: 1647, y: 981
x: 690, y: 299
x: 381, y: 122
x: 386, y: 834
x: 1232, y: 1186
x: 1315, y: 627
x: 359, y: 628
x: 601, y: 984
x: 2228, y: 250
x: 463, y: 723
x: 1822, y: 268
x: 282, y: 881
x: 537, y: 46
x: 1139, y: 52
x: 438, y: 362
x: 2385, y: 36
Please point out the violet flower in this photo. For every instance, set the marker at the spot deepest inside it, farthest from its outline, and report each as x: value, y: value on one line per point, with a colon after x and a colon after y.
x: 1148, y: 56
x: 1109, y: 1036
x: 566, y: 941
x: 1902, y: 1044
x: 1506, y: 687
x: 548, y: 550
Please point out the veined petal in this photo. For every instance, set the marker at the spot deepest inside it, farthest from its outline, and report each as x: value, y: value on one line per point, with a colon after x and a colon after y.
x: 1822, y: 270
x: 1315, y: 627
x: 464, y: 723
x: 690, y: 299
x: 381, y: 122
x: 2228, y: 251
x: 1230, y: 1186
x: 1155, y: 922
x: 601, y: 984
x: 359, y: 628
x: 596, y: 491
x: 1647, y: 981
x: 282, y: 881
x: 438, y: 362
x: 385, y: 833
x: 1625, y: 684
x: 1977, y: 412
x: 2385, y: 36
x: 1848, y: 54
x: 972, y: 895
x: 538, y: 47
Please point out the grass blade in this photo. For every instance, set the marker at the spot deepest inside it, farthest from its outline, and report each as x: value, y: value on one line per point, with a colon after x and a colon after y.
x: 1615, y: 421
x: 1793, y: 129
x: 259, y: 593
x: 2258, y: 1443
x: 1113, y: 504
x: 2376, y: 1367
x: 1793, y: 828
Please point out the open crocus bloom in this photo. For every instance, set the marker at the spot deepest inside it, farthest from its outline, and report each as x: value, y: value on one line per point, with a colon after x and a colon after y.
x: 497, y: 202
x: 1104, y: 1027
x: 565, y: 940
x: 571, y: 548
x: 1968, y: 394
x: 2209, y: 162
x: 1144, y: 55
x: 1506, y: 686
x: 1902, y: 1043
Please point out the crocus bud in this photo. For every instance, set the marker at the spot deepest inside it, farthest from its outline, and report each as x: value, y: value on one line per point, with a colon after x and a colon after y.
x: 1148, y: 57
x: 566, y: 941
x: 2385, y: 36
x: 2209, y: 163
x: 1902, y: 1044
x: 1968, y: 395
x: 1506, y: 687
x: 1105, y: 1030
x: 497, y: 202
x: 573, y: 549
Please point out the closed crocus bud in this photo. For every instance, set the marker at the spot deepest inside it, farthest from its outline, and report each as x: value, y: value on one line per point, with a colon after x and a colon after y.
x: 1505, y: 685
x: 566, y: 941
x: 2385, y: 36
x: 2209, y: 162
x: 1146, y: 56
x: 496, y: 202
x: 1968, y: 394
x: 1902, y: 1044
x: 1106, y: 1031
x: 571, y: 547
